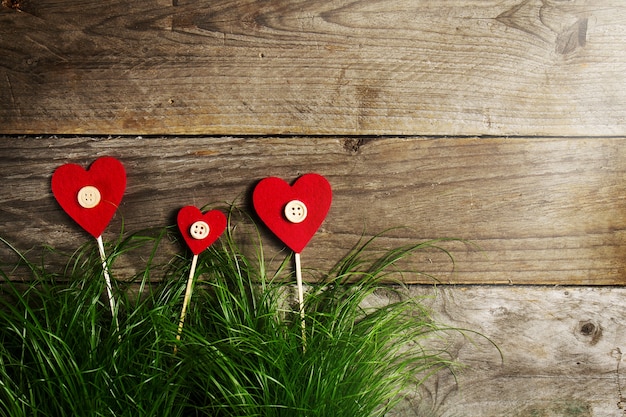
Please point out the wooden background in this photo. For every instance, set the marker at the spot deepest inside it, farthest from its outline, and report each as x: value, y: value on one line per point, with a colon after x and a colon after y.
x: 384, y: 67
x: 501, y: 122
x: 540, y: 210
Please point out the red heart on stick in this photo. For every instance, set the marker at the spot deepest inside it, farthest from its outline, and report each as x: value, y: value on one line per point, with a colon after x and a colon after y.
x: 293, y: 213
x: 92, y: 196
x: 200, y: 230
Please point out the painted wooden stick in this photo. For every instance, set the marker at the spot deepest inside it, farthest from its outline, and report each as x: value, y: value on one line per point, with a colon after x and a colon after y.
x: 183, y: 312
x: 107, y: 280
x: 199, y: 231
x: 300, y: 297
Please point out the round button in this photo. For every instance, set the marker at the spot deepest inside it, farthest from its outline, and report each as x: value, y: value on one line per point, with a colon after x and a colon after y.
x: 199, y: 230
x: 295, y: 211
x: 88, y: 197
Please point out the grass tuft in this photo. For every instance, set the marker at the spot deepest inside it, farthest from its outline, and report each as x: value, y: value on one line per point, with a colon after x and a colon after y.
x: 242, y: 351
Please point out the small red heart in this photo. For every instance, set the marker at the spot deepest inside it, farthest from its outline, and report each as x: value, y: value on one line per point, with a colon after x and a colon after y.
x: 200, y: 230
x: 293, y: 213
x: 90, y: 197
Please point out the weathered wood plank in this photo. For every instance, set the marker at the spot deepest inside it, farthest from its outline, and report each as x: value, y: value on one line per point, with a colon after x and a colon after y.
x: 563, y: 353
x: 546, y: 211
x: 396, y: 67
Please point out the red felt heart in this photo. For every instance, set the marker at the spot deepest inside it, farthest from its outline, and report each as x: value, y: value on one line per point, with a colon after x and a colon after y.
x: 200, y: 230
x: 272, y: 196
x: 91, y: 211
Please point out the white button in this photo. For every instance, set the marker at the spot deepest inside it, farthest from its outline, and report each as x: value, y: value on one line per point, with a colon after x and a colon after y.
x: 199, y: 230
x: 88, y: 197
x: 295, y: 211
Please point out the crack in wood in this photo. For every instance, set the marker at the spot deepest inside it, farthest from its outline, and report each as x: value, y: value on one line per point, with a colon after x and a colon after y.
x: 621, y: 400
x: 13, y: 101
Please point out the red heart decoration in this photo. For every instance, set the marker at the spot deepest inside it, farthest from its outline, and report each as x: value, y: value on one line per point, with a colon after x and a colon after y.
x: 107, y: 176
x: 192, y: 223
x: 272, y: 196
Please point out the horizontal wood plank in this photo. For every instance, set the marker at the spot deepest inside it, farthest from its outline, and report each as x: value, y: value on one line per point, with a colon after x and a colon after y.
x: 548, y: 211
x: 563, y: 353
x: 512, y: 67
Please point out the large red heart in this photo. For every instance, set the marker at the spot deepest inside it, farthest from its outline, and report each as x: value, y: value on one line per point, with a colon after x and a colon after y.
x: 272, y: 197
x: 200, y: 230
x: 73, y: 187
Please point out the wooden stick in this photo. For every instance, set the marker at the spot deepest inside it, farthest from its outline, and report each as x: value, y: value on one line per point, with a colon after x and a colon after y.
x: 300, y: 297
x: 188, y: 291
x: 107, y: 280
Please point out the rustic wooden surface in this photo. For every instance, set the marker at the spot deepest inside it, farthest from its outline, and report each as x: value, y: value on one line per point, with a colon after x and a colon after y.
x: 513, y: 114
x: 563, y: 353
x: 392, y: 67
x: 548, y: 211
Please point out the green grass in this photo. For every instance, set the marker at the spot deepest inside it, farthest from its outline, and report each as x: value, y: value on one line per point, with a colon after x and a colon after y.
x: 242, y: 351
x: 60, y: 353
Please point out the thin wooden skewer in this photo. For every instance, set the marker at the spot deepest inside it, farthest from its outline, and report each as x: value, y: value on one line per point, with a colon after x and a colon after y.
x: 300, y: 297
x: 183, y: 312
x: 107, y: 280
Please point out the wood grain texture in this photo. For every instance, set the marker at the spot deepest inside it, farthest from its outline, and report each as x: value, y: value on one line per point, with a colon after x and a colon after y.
x: 549, y: 211
x: 563, y: 353
x: 399, y: 67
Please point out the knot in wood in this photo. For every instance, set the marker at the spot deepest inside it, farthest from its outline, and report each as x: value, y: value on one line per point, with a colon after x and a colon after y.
x: 589, y: 332
x: 588, y: 329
